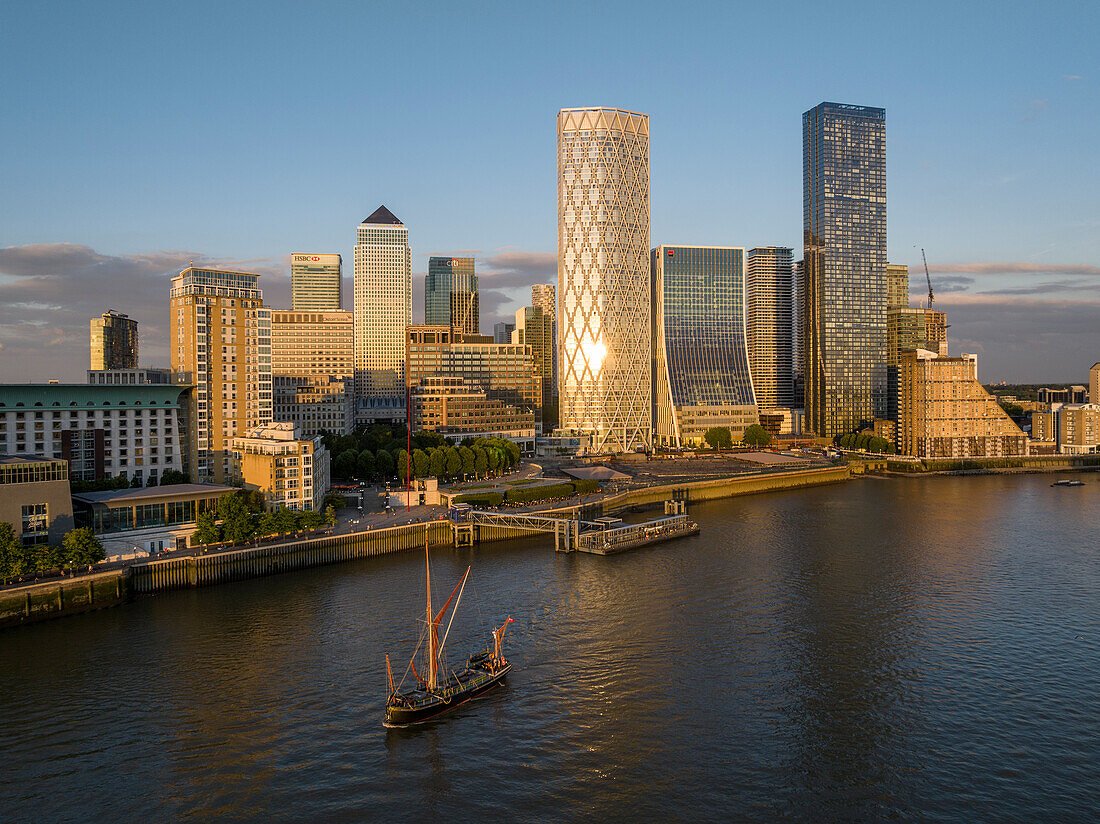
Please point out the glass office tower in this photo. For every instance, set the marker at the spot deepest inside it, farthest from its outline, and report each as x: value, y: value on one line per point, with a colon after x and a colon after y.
x: 844, y: 235
x: 700, y: 357
x: 450, y: 294
x: 769, y: 324
x: 382, y: 309
x: 603, y: 277
x: 315, y: 281
x: 113, y: 341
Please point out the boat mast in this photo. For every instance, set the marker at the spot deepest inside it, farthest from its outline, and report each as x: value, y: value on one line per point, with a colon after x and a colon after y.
x: 432, y: 675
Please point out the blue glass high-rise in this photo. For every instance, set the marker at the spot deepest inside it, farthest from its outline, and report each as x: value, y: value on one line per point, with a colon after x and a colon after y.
x: 844, y: 270
x: 701, y: 375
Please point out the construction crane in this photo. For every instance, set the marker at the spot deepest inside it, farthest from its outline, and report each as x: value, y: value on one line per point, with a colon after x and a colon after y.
x: 927, y: 277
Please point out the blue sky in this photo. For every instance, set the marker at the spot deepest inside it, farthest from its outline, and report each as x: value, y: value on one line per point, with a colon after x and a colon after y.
x: 137, y: 136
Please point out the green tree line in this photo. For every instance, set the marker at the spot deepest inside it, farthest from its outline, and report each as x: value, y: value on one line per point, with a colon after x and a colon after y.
x: 240, y: 518
x: 868, y: 441
x: 80, y: 548
x: 476, y: 457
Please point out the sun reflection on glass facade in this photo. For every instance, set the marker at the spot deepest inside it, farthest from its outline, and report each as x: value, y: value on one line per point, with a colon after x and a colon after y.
x: 603, y: 276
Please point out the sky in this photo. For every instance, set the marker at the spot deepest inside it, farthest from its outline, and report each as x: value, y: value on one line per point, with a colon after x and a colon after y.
x: 138, y: 137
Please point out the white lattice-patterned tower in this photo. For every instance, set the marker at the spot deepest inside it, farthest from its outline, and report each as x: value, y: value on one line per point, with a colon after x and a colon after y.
x: 603, y: 276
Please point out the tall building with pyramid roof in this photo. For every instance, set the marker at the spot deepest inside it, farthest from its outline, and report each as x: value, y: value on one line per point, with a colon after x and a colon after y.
x: 382, y: 309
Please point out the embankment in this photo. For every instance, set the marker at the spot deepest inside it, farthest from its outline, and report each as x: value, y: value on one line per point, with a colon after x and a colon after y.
x: 63, y: 596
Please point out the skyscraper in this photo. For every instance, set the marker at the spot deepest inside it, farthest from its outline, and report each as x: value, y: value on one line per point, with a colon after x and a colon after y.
x: 603, y: 276
x: 535, y: 328
x: 315, y: 282
x: 844, y: 235
x: 221, y: 343
x: 897, y: 285
x: 702, y: 377
x: 798, y: 329
x: 770, y: 325
x: 114, y: 341
x: 502, y: 331
x: 544, y: 297
x: 450, y: 294
x: 382, y: 307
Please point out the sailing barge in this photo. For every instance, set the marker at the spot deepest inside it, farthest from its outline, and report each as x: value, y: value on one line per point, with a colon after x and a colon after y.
x: 442, y: 689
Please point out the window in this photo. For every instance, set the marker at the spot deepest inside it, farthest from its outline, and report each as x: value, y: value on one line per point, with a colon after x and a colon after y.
x: 36, y: 523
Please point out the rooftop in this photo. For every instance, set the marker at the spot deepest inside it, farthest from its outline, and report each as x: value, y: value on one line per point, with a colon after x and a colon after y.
x: 150, y: 492
x: 16, y: 460
x: 383, y: 215
x: 84, y: 395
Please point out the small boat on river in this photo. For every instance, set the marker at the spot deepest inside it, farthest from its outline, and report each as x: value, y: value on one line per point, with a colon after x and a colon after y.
x: 1067, y: 482
x: 441, y: 689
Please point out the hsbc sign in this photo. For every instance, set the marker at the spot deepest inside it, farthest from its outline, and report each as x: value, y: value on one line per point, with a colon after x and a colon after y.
x: 328, y: 259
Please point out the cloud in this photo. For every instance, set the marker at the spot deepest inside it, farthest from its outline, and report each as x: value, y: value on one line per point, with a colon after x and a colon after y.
x: 1071, y: 77
x: 951, y: 283
x: 50, y: 291
x: 514, y: 269
x: 1015, y: 268
x: 1046, y: 288
x: 1024, y: 338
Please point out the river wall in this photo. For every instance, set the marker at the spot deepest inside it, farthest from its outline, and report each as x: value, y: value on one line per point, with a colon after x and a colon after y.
x: 63, y: 596
x: 70, y: 596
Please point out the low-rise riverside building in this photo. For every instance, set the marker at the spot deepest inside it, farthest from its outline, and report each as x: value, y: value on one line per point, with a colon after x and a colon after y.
x: 131, y: 522
x: 133, y: 431
x: 459, y: 408
x: 1073, y: 428
x: 34, y: 498
x: 944, y: 412
x: 288, y: 469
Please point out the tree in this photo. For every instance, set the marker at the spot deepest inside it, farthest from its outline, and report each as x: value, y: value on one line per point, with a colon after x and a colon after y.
x: 135, y: 483
x: 401, y: 459
x: 237, y: 524
x: 756, y: 435
x: 421, y: 464
x: 453, y: 463
x: 481, y: 460
x: 719, y: 437
x: 310, y: 519
x: 365, y: 464
x: 252, y: 499
x: 428, y: 441
x: 383, y: 462
x: 344, y: 464
x: 267, y: 525
x: 468, y: 460
x: 82, y: 548
x: 12, y: 558
x: 511, y: 449
x: 334, y: 501
x: 493, y: 455
x: 44, y: 558
x: 330, y: 515
x: 172, y: 476
x: 208, y: 531
x: 437, y: 462
x: 152, y: 481
x: 285, y: 521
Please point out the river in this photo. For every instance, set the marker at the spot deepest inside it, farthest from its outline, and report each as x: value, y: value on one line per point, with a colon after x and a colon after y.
x: 888, y: 649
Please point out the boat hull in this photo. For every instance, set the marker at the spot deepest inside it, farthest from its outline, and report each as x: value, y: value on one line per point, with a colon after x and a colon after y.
x: 430, y: 706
